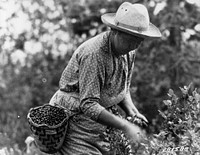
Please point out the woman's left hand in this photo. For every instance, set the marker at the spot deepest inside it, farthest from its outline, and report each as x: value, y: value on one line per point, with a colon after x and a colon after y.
x: 130, y: 109
x: 142, y: 117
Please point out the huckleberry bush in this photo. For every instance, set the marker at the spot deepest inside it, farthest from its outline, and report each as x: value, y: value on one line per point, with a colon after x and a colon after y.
x: 119, y: 143
x: 179, y: 133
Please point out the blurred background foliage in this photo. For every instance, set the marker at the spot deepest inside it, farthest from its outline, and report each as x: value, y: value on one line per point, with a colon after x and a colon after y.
x: 38, y: 37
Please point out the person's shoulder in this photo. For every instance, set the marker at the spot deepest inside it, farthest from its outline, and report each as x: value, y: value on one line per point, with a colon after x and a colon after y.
x: 93, y: 45
x: 96, y: 41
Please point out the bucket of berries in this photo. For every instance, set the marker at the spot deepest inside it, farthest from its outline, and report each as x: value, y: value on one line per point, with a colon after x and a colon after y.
x: 49, y: 126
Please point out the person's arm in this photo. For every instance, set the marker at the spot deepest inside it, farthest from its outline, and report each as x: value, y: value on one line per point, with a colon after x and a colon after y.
x: 132, y: 131
x: 91, y: 81
x: 128, y: 106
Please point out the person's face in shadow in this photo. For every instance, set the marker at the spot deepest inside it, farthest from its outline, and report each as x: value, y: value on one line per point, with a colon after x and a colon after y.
x: 124, y: 42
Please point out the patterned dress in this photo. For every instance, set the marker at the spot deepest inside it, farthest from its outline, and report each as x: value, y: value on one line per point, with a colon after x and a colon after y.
x: 95, y: 79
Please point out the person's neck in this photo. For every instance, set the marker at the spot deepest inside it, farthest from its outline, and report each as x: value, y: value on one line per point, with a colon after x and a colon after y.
x: 113, y: 47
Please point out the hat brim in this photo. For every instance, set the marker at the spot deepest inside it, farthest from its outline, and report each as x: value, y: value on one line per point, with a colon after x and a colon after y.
x: 152, y: 32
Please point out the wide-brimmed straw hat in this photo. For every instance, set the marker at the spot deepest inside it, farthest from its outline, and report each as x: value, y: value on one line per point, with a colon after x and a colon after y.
x: 132, y: 19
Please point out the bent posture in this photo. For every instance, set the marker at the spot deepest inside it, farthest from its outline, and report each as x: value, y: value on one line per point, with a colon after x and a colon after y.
x: 98, y: 77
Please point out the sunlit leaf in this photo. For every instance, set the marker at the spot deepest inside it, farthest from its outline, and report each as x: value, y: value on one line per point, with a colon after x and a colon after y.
x: 167, y: 102
x: 197, y: 97
x: 162, y: 114
x: 170, y: 93
x: 184, y: 91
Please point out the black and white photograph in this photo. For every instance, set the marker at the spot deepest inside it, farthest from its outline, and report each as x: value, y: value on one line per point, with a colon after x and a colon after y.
x: 99, y: 77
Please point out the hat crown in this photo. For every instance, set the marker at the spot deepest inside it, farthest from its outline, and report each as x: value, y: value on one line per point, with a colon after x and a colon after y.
x: 134, y: 16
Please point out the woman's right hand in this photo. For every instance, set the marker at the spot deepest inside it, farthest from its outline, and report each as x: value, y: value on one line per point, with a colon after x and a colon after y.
x: 133, y: 132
